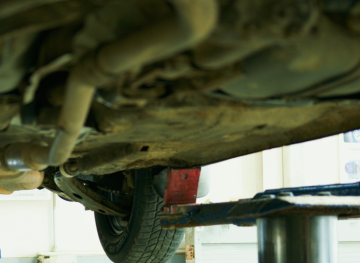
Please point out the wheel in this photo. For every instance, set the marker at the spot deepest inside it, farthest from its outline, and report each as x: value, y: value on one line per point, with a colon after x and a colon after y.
x: 141, y: 239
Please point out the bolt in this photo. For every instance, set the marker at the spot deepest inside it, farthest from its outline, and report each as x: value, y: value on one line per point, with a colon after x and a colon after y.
x: 185, y: 176
x: 285, y: 194
x: 72, y: 167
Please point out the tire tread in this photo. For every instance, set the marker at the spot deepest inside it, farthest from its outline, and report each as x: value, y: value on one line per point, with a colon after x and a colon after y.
x: 152, y: 243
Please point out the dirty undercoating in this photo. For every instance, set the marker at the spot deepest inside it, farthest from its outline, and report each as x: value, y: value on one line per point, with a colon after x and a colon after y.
x: 284, y: 73
x: 196, y: 134
x: 197, y: 130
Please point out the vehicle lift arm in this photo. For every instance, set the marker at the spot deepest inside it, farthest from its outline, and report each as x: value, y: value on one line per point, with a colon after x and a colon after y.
x: 297, y: 225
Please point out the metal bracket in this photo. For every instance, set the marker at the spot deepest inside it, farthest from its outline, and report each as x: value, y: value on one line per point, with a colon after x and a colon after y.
x: 342, y: 200
x: 181, y: 186
x: 78, y: 192
x: 245, y: 212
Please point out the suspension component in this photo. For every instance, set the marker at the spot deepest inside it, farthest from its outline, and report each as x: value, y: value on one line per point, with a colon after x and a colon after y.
x: 80, y: 192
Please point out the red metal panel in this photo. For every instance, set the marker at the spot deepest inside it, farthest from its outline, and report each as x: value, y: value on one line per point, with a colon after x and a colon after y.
x: 181, y: 186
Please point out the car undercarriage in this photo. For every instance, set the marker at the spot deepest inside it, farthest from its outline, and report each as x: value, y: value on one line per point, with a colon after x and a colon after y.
x: 94, y: 93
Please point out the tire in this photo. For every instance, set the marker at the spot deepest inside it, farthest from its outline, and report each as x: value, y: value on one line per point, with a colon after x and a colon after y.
x: 143, y: 239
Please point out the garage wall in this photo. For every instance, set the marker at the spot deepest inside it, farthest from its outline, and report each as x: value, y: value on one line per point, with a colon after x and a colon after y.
x: 311, y: 163
x: 31, y: 226
x: 75, y: 229
x: 25, y: 228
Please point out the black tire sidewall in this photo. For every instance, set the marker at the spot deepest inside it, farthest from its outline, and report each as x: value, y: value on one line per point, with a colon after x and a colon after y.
x: 119, y: 247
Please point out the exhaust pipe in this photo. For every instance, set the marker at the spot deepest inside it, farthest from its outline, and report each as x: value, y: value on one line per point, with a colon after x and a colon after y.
x: 194, y: 21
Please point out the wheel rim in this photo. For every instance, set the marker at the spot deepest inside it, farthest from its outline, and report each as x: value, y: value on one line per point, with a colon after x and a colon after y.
x: 116, y: 224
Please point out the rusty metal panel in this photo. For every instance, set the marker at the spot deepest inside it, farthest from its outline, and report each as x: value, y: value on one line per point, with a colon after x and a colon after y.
x: 181, y: 186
